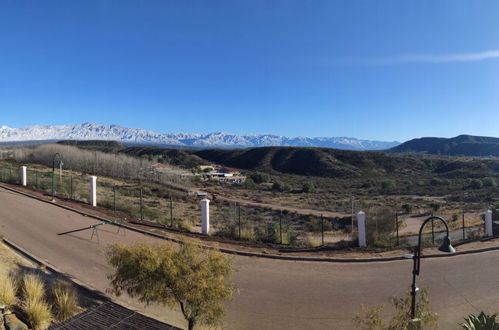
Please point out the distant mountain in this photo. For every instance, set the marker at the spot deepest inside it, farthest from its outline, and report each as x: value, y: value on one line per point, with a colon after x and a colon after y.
x: 462, y: 145
x: 90, y: 131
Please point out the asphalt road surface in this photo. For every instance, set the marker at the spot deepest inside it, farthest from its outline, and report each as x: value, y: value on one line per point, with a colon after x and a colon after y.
x: 273, y: 294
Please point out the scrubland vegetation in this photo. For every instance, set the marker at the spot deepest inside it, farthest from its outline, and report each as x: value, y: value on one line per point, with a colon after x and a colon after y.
x: 382, y: 185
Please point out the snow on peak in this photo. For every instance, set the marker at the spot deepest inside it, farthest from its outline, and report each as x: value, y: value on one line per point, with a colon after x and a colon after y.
x: 91, y: 131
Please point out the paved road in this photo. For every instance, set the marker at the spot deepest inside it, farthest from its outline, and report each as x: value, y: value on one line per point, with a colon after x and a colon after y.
x: 273, y: 294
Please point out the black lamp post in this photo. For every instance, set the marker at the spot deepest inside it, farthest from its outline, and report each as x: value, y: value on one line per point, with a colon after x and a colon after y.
x: 445, y: 247
x: 53, y: 173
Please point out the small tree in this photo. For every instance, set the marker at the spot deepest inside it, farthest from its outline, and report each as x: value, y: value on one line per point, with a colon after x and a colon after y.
x: 196, y: 279
x: 435, y: 207
x: 407, y: 208
x: 260, y: 177
x: 308, y: 187
x: 282, y: 187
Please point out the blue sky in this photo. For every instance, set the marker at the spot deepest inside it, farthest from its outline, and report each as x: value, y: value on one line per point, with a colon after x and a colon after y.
x: 386, y: 70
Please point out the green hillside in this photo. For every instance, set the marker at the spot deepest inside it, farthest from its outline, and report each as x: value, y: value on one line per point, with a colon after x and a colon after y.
x: 347, y: 164
x: 462, y: 145
x: 319, y: 162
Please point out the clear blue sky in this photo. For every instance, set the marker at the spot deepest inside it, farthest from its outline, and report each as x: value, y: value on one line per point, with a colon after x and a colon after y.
x: 387, y: 70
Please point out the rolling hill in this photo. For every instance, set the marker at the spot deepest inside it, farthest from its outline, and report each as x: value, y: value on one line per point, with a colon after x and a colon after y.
x: 313, y: 162
x: 462, y: 145
x: 325, y: 162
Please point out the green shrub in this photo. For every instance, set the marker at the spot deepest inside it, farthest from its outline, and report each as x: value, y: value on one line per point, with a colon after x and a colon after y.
x: 278, y: 186
x: 489, y: 182
x: 308, y: 188
x: 480, y: 322
x: 436, y: 182
x: 388, y: 185
x: 476, y: 184
x: 260, y: 177
x: 249, y: 183
x: 407, y: 208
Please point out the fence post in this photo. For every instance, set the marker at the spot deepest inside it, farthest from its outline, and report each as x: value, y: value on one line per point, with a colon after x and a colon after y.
x: 171, y: 211
x: 397, y: 226
x: 432, y: 231
x: 280, y: 226
x: 141, y: 206
x: 36, y: 180
x: 488, y: 223
x: 464, y: 233
x: 22, y: 176
x: 361, y: 223
x: 352, y: 213
x: 322, y: 229
x: 71, y: 187
x: 205, y: 216
x: 114, y: 199
x: 239, y: 219
x: 93, y: 191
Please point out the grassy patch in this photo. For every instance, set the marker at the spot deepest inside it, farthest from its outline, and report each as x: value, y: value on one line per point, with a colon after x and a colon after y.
x: 7, y: 290
x: 65, y: 300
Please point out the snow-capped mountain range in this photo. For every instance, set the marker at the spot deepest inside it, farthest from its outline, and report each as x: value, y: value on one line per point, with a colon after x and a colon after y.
x: 90, y: 131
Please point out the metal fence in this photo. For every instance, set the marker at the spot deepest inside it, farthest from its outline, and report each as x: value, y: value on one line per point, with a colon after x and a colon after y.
x: 164, y: 207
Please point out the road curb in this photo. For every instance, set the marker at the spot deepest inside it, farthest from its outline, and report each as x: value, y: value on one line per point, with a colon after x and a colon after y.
x: 253, y: 254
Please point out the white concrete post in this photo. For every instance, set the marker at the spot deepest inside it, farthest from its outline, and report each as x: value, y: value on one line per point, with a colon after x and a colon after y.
x: 205, y: 216
x: 361, y: 226
x: 93, y: 191
x: 488, y: 223
x: 22, y: 176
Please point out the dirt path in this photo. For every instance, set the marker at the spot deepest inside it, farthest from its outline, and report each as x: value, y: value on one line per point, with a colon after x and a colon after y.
x: 275, y: 207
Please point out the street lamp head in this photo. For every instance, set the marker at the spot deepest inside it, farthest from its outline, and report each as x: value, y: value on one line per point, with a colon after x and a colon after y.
x: 446, y: 246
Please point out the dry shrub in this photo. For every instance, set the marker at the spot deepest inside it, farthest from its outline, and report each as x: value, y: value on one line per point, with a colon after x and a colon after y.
x: 369, y: 318
x: 37, y: 313
x: 7, y: 290
x: 32, y: 287
x: 65, y: 300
